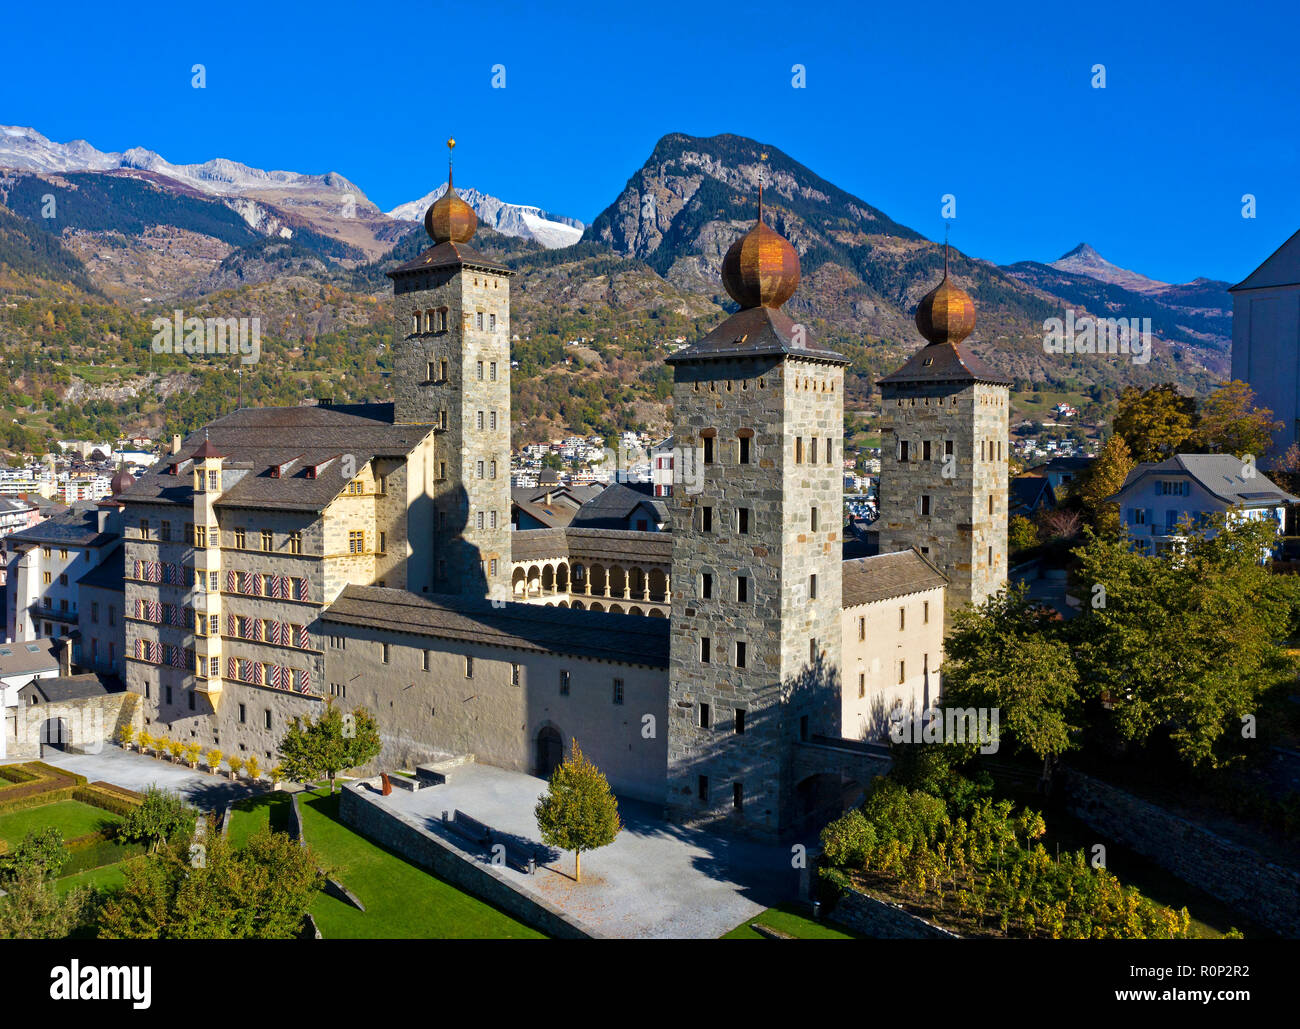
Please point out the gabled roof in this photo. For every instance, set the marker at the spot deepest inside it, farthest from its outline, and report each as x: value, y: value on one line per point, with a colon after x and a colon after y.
x: 1281, y: 268
x: 72, y: 687
x: 449, y: 255
x: 945, y: 362
x: 1218, y: 474
x: 756, y: 332
x: 621, y: 638
x: 256, y: 441
x: 885, y: 576
x: 77, y: 526
x: 1028, y: 491
x: 615, y: 504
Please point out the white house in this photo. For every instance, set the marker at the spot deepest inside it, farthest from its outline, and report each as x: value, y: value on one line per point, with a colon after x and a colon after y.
x: 1157, y: 500
x: 20, y: 663
x: 1266, y: 337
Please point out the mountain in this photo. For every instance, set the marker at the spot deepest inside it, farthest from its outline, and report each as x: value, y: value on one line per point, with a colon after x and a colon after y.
x: 1084, y: 260
x: 1197, y: 314
x: 551, y: 230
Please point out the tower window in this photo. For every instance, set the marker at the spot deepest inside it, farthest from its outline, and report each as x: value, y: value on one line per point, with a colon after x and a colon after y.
x: 739, y: 724
x: 862, y: 685
x: 708, y: 450
x: 742, y: 589
x: 469, y: 667
x: 925, y: 503
x: 442, y: 373
x: 925, y: 612
x: 564, y: 682
x: 480, y: 365
x: 862, y: 628
x: 479, y: 469
x: 430, y: 375
x: 902, y: 451
x: 812, y: 450
x: 925, y: 450
x: 706, y: 649
x: 705, y: 717
x: 703, y: 788
x: 706, y: 519
x: 618, y: 692
x: 990, y: 503
x: 706, y: 585
x: 741, y: 654
x: 492, y: 368
x: 744, y: 449
x: 812, y: 587
x: 990, y: 557
x: 742, y: 520
x: 813, y: 519
x: 902, y: 672
x: 812, y: 651
x: 738, y: 796
x: 947, y: 448
x: 902, y: 619
x: 798, y: 450
x: 480, y: 421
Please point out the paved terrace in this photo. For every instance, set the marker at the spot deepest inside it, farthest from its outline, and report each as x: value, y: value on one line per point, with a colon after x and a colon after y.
x: 129, y: 769
x: 657, y: 880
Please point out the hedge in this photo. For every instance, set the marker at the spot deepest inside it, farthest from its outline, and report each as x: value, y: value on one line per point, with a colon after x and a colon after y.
x: 16, y: 774
x: 37, y: 798
x: 96, y: 849
x: 118, y: 803
x: 42, y: 767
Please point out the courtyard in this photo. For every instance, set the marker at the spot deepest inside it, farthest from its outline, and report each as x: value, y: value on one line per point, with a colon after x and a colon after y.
x: 656, y: 880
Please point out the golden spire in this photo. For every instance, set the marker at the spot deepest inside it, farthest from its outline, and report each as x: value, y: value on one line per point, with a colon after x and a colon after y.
x: 947, y: 313
x: 449, y: 219
x: 761, y: 269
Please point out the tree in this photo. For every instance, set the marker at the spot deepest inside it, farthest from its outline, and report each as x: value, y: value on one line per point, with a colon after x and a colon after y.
x: 1104, y: 479
x: 41, y: 851
x: 579, y: 811
x: 259, y: 891
x: 1021, y: 533
x: 1154, y: 423
x: 1230, y: 423
x: 328, y: 745
x: 32, y: 908
x: 1010, y: 653
x: 1188, y: 641
x: 160, y: 817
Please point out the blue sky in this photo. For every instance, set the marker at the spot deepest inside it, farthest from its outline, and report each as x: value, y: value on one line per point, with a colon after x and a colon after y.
x: 904, y: 102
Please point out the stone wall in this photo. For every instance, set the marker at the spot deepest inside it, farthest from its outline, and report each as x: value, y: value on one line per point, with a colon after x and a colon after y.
x: 884, y: 921
x: 87, y: 724
x: 450, y: 863
x: 1262, y: 891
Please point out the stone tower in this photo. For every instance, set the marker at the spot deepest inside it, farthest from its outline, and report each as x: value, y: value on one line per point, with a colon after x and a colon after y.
x: 451, y: 369
x: 756, y: 599
x: 943, y: 469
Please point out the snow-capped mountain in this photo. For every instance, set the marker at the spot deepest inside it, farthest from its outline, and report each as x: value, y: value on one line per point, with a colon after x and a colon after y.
x: 1084, y: 260
x: 550, y: 230
x: 28, y: 150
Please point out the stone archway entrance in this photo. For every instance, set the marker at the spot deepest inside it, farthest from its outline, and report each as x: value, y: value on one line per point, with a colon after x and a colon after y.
x: 550, y: 751
x: 55, y: 733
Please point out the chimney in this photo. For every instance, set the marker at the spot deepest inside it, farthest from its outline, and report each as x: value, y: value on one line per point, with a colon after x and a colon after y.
x: 65, y: 657
x: 176, y: 442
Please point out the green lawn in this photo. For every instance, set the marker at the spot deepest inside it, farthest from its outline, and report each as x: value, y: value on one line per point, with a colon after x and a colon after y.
x: 109, y: 877
x: 71, y: 817
x: 788, y: 919
x: 402, y: 900
x: 254, y: 813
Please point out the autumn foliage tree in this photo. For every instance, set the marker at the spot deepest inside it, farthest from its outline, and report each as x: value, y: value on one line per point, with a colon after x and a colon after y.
x: 579, y: 811
x: 1104, y: 479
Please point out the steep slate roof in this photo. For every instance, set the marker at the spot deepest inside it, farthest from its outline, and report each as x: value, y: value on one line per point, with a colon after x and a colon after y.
x: 612, y: 506
x: 1028, y: 491
x: 755, y: 332
x: 110, y: 573
x: 254, y: 440
x: 73, y: 687
x: 449, y: 255
x: 1280, y: 268
x: 945, y: 362
x: 626, y: 639
x: 75, y: 527
x: 868, y: 579
x: 1220, y: 475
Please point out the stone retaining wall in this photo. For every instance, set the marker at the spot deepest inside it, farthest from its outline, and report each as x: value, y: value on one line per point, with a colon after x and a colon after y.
x: 1262, y: 891
x: 884, y: 921
x: 450, y: 863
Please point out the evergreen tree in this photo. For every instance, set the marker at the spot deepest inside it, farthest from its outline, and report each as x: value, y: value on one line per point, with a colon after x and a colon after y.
x: 333, y: 742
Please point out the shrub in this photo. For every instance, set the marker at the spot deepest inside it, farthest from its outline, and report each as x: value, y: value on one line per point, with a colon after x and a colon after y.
x: 145, y: 741
x: 110, y: 800
x: 17, y: 774
x: 214, y: 760
x: 848, y: 840
x: 192, y: 751
x: 236, y: 764
x: 176, y: 748
x: 126, y: 734
x: 254, y: 767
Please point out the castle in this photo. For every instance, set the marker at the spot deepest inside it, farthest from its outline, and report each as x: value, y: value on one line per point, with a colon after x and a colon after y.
x: 283, y: 558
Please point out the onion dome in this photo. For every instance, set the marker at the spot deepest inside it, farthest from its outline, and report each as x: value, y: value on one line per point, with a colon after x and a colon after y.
x: 761, y: 269
x: 946, y: 314
x: 449, y: 219
x: 120, y: 482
